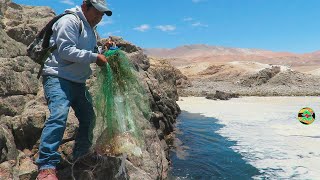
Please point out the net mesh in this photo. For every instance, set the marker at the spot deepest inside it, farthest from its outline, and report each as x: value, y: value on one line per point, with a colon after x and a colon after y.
x: 122, y: 105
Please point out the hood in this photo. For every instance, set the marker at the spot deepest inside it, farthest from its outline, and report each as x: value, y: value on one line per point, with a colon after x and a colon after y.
x: 79, y: 12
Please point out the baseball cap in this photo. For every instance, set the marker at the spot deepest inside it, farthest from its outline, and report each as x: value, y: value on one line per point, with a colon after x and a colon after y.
x: 101, y: 6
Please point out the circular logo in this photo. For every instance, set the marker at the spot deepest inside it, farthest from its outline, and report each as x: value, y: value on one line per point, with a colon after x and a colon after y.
x: 306, y: 116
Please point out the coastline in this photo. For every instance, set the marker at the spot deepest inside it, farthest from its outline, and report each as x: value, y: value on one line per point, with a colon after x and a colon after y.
x: 267, y: 132
x: 200, y: 89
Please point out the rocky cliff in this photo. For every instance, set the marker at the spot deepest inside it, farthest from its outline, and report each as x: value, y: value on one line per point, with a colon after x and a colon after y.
x: 23, y: 108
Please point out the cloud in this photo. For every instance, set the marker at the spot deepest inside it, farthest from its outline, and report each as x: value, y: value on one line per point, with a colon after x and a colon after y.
x: 69, y: 2
x: 142, y: 28
x: 105, y: 22
x: 199, y: 24
x: 166, y: 28
x: 188, y: 19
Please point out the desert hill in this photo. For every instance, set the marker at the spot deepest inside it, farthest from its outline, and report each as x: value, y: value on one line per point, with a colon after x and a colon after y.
x: 243, y: 71
x: 190, y: 54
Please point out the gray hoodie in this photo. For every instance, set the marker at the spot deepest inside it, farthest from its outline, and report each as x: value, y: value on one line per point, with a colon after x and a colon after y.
x: 75, y: 48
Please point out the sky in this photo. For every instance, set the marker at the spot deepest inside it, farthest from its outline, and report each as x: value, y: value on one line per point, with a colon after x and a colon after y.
x: 277, y: 25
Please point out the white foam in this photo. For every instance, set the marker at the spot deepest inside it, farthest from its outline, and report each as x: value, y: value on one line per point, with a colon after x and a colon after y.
x: 267, y: 132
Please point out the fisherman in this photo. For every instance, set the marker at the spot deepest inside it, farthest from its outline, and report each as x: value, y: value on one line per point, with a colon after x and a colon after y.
x: 64, y: 75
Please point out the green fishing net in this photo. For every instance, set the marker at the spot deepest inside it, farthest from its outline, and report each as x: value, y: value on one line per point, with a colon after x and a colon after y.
x: 122, y: 106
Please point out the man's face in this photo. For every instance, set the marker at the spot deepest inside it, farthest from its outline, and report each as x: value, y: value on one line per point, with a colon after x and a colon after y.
x: 94, y: 16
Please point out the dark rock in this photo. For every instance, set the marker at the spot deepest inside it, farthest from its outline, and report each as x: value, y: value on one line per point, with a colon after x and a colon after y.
x: 181, y: 80
x: 123, y: 44
x: 27, y: 129
x: 261, y: 77
x: 94, y: 166
x: 211, y: 96
x: 160, y: 134
x: 222, y: 95
x: 165, y: 73
x: 135, y: 53
x: 155, y: 118
x: 140, y: 59
x: 165, y: 147
x: 8, y: 150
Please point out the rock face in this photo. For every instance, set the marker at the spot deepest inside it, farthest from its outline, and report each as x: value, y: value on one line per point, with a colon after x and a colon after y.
x: 22, y: 23
x: 23, y: 108
x: 166, y: 76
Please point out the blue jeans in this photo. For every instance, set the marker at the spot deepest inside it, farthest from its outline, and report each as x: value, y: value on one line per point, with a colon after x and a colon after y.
x: 60, y: 95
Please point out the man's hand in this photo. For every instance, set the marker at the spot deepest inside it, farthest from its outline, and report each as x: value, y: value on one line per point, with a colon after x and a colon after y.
x: 101, y: 60
x: 109, y: 44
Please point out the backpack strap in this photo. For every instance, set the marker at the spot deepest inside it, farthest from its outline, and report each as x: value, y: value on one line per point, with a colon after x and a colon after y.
x: 47, y: 32
x: 48, y: 29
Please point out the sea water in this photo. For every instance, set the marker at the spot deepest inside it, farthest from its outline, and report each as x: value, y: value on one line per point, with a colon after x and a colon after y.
x: 201, y: 153
x: 263, y: 131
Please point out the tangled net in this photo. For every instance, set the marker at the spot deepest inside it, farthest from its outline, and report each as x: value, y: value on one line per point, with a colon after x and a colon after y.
x: 122, y: 105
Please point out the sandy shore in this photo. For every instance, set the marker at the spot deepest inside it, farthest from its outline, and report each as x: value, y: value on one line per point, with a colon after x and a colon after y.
x: 267, y: 132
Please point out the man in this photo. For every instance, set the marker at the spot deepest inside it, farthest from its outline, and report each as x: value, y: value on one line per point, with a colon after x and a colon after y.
x: 64, y: 76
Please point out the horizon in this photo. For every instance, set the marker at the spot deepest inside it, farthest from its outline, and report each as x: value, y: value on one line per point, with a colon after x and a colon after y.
x: 278, y: 26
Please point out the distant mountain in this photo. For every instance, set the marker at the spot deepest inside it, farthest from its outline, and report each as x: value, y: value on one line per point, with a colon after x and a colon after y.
x: 200, y: 53
x: 206, y: 50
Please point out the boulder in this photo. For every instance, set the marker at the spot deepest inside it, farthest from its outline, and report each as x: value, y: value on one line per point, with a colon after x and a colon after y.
x: 25, y: 168
x: 6, y: 170
x: 22, y: 23
x: 27, y: 129
x: 222, y: 95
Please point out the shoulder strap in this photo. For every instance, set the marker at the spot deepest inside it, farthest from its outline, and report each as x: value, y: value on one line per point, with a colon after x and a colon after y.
x: 46, y: 32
